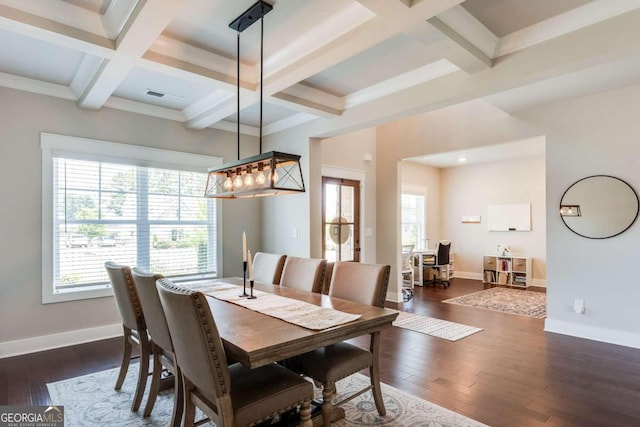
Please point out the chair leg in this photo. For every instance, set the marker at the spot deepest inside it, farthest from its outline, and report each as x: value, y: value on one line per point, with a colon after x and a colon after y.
x: 305, y: 414
x: 178, y: 400
x: 189, y: 415
x: 375, y: 374
x: 126, y: 357
x: 143, y: 373
x: 327, y: 406
x: 154, y: 389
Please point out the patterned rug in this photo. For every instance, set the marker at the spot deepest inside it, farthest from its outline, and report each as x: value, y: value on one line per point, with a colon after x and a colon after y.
x: 506, y: 300
x: 435, y: 327
x: 90, y: 400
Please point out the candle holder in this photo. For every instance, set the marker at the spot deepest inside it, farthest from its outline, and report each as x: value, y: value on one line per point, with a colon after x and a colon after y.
x: 251, y: 286
x: 244, y: 280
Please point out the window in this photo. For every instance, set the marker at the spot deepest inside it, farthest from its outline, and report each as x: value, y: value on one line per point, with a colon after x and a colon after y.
x: 412, y: 221
x: 143, y: 208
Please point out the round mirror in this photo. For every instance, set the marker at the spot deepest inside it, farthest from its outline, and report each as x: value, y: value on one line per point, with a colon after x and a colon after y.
x: 599, y: 207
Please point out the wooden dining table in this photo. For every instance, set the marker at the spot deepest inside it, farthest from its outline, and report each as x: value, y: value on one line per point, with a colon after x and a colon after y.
x: 255, y: 339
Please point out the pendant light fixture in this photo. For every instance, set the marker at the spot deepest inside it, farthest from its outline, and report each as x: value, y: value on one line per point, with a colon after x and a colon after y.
x: 267, y: 174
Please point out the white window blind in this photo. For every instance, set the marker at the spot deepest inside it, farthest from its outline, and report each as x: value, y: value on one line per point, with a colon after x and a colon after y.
x: 412, y: 219
x: 155, y: 218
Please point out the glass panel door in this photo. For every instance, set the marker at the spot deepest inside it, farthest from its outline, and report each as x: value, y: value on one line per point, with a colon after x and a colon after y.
x: 340, y: 219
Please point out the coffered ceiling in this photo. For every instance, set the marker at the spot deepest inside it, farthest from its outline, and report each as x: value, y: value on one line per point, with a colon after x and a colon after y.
x: 326, y: 60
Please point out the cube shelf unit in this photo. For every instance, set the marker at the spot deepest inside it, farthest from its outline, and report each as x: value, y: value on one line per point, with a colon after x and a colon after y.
x: 507, y: 270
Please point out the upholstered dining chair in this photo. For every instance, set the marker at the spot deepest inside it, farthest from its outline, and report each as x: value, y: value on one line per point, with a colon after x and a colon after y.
x: 267, y: 268
x: 134, y: 326
x: 161, y: 345
x: 229, y: 395
x: 306, y: 274
x: 366, y: 284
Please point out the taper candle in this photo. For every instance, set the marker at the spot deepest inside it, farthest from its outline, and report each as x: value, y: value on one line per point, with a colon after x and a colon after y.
x: 244, y: 246
x: 250, y: 266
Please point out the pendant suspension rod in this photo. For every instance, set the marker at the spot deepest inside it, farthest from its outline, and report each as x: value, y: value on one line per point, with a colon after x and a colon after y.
x: 261, y: 69
x: 238, y: 94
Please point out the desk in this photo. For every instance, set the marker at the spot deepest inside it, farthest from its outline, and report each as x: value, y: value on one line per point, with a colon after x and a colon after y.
x: 421, y: 255
x: 255, y: 339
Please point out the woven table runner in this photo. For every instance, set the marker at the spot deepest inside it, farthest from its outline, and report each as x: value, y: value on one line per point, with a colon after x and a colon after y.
x: 290, y: 310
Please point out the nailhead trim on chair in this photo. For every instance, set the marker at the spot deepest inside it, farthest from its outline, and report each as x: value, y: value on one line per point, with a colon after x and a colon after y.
x: 197, y: 299
x: 133, y: 294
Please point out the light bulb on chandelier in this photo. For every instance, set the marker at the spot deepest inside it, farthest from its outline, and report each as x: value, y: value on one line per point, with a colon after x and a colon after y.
x: 237, y: 181
x: 248, y: 179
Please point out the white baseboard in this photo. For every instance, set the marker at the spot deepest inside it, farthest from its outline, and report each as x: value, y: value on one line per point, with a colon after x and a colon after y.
x: 610, y: 336
x: 467, y: 275
x: 541, y: 283
x: 63, y: 339
x: 478, y: 276
x: 394, y: 297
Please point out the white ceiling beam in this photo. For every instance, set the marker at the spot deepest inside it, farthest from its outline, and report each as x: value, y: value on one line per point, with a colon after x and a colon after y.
x: 608, y: 41
x: 356, y: 41
x: 221, y: 111
x: 86, y: 70
x: 287, y: 122
x: 36, y: 86
x: 400, y: 14
x: 116, y: 16
x: 297, y: 61
x: 20, y: 22
x: 419, y: 21
x: 144, y: 26
x: 572, y: 20
x: 403, y: 81
x: 61, y: 12
x: 467, y: 26
x: 170, y: 47
x: 309, y: 100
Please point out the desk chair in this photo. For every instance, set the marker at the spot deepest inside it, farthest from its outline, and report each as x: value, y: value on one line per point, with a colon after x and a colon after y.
x: 439, y: 264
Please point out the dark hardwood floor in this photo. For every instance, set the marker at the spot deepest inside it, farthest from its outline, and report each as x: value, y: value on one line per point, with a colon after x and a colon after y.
x: 510, y: 374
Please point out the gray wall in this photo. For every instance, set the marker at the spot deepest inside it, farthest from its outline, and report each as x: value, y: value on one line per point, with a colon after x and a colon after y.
x: 24, y: 116
x: 586, y: 136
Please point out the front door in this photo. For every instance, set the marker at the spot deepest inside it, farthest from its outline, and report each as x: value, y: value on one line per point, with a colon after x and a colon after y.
x: 340, y: 219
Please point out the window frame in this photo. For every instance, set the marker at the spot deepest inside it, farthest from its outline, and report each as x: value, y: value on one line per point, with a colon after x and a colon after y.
x: 421, y: 214
x: 54, y: 145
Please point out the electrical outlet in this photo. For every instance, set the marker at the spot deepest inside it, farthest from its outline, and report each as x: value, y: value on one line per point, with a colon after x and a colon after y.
x: 578, y: 306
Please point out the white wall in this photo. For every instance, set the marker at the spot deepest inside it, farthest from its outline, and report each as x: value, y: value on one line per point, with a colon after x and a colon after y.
x: 466, y: 125
x: 424, y: 180
x: 24, y: 116
x: 345, y: 154
x: 469, y: 190
x: 285, y: 213
x: 597, y: 134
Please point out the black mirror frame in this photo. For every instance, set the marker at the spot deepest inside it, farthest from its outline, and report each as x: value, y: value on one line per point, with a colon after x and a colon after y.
x: 613, y: 235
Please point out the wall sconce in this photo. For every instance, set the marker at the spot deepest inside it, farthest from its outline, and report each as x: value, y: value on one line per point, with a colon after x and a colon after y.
x: 570, y: 210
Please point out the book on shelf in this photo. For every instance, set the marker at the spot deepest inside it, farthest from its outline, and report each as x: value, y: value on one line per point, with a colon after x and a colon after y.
x: 503, y: 278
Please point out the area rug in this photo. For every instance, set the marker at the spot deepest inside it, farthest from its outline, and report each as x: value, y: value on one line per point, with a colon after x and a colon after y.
x: 435, y: 327
x: 90, y: 400
x: 506, y: 300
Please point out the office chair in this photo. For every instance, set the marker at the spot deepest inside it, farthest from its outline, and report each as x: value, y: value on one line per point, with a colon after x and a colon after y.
x: 439, y: 264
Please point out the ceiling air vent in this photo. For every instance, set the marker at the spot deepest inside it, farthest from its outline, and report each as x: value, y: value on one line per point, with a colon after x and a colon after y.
x: 154, y: 93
